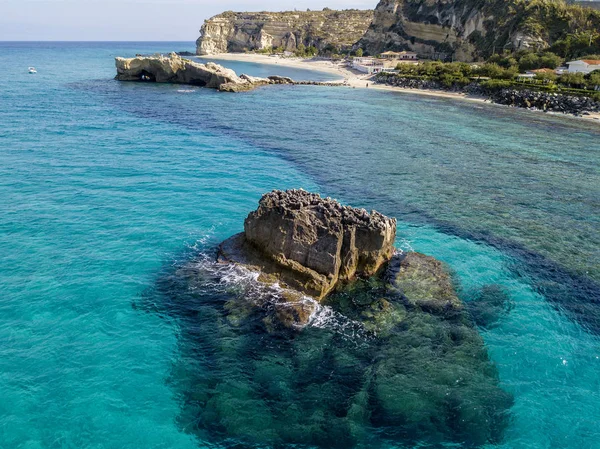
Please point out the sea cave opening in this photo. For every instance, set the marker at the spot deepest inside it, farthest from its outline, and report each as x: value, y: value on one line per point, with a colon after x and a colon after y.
x: 147, y: 77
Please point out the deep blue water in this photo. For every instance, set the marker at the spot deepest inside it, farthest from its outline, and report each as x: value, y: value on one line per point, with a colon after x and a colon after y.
x: 106, y: 188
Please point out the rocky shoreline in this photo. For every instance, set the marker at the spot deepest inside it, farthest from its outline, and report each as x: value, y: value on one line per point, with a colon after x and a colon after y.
x: 522, y: 98
x: 174, y: 69
x: 177, y: 70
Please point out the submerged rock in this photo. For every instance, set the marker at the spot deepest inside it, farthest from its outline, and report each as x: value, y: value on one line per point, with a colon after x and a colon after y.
x: 311, y: 243
x: 390, y: 360
x: 489, y: 305
x: 424, y: 282
x: 390, y: 357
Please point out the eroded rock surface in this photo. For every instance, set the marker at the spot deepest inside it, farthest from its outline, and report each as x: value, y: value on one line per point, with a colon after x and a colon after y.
x: 312, y: 243
x: 175, y: 69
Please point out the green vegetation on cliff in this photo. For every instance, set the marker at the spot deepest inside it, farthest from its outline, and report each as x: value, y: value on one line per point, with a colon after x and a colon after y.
x: 474, y: 29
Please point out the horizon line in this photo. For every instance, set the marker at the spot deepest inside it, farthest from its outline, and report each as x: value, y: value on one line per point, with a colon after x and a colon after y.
x: 101, y: 41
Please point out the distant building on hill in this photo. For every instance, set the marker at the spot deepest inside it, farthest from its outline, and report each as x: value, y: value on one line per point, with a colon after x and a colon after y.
x: 399, y: 55
x: 584, y: 65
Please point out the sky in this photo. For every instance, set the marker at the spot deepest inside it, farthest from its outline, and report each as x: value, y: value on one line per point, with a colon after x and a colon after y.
x: 133, y: 20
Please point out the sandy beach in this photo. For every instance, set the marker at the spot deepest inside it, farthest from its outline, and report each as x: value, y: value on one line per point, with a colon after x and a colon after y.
x: 352, y: 78
x: 356, y: 79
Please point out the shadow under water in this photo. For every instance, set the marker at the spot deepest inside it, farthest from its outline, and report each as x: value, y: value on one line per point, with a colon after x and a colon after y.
x: 371, y: 369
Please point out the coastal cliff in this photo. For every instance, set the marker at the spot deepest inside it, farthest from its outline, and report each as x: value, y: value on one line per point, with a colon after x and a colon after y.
x: 242, y: 31
x: 467, y: 30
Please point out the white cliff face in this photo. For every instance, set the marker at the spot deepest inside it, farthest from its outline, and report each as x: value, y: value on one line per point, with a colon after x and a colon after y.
x: 238, y: 32
x: 213, y: 38
x: 464, y: 30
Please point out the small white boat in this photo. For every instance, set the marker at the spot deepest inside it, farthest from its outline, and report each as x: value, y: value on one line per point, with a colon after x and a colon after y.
x: 32, y: 70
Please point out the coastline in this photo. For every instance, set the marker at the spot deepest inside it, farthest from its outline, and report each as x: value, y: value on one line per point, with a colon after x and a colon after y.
x: 353, y: 78
x: 359, y: 80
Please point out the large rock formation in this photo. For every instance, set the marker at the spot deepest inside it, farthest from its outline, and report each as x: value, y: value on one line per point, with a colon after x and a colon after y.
x: 311, y: 243
x: 392, y: 360
x: 386, y: 360
x: 242, y: 31
x: 174, y: 69
x: 177, y: 70
x: 469, y: 29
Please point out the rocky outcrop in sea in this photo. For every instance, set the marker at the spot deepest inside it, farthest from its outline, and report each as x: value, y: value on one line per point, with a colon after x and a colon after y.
x: 312, y: 243
x: 315, y: 332
x: 177, y: 70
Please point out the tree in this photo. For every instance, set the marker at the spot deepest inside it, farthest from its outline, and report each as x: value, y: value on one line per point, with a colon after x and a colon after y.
x: 530, y: 61
x: 312, y: 51
x: 549, y: 60
x: 359, y: 52
x: 547, y: 77
x: 573, y: 79
x: 594, y: 79
x: 496, y: 72
x: 300, y: 50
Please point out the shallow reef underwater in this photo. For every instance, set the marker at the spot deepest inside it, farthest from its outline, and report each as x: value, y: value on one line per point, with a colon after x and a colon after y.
x: 380, y: 363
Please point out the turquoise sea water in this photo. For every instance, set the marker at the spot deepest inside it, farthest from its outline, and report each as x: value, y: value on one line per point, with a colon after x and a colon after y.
x: 106, y: 188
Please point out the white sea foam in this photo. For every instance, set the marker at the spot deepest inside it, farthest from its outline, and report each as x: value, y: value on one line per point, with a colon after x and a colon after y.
x: 229, y: 277
x: 405, y: 246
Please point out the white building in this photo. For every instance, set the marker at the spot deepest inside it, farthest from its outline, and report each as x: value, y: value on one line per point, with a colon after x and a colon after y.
x: 584, y: 65
x: 367, y: 65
